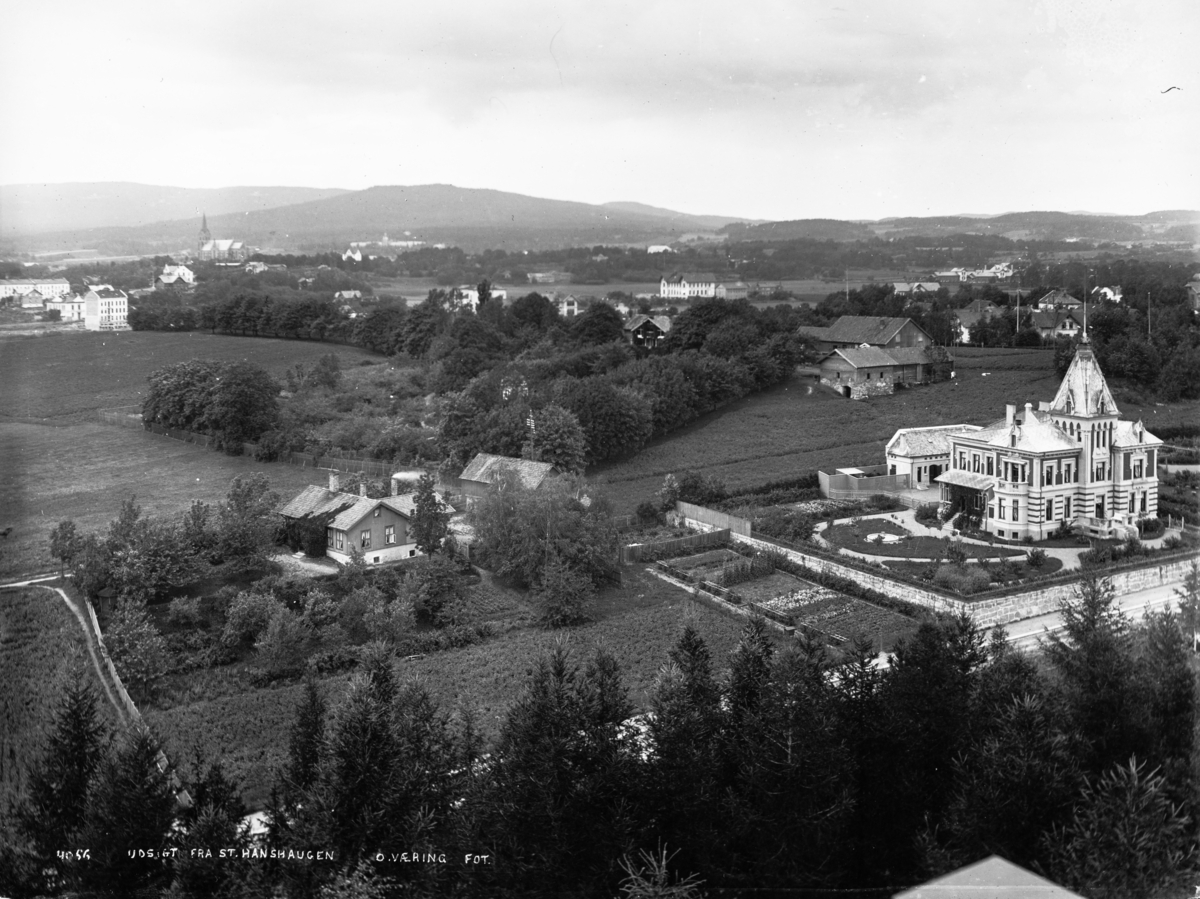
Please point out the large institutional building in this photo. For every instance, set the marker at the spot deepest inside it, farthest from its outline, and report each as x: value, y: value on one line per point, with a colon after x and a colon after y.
x: 1070, y: 461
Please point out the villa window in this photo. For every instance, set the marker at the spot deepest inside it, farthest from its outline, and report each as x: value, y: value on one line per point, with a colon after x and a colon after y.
x: 1002, y: 502
x: 990, y: 462
x: 329, y: 532
x: 1067, y: 507
x: 1016, y: 510
x: 991, y: 511
x: 340, y: 539
x: 364, y: 539
x: 1131, y: 503
x: 1144, y: 501
x: 389, y: 534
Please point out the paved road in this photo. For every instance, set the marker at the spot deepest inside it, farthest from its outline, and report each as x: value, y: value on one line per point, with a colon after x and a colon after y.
x: 1026, y: 634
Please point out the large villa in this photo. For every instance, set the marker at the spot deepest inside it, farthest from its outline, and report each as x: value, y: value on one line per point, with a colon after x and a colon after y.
x: 1070, y: 461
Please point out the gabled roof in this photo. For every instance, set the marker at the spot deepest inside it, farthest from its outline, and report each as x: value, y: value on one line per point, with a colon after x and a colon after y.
x: 347, y: 508
x: 980, y: 305
x: 1134, y: 434
x: 992, y: 878
x: 968, y: 479
x: 1083, y: 390
x: 1059, y: 297
x: 662, y: 322
x: 933, y: 441
x: 908, y: 355
x: 863, y: 357
x: 870, y: 329
x: 485, y: 467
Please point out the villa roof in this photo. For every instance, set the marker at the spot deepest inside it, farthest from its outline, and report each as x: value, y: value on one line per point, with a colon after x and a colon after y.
x: 662, y: 322
x: 1083, y: 390
x: 933, y: 441
x: 1127, y: 434
x: 485, y: 467
x: 1037, y: 434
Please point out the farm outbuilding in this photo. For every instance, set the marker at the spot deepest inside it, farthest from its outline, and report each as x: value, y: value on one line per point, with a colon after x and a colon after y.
x: 483, y: 470
x: 866, y: 371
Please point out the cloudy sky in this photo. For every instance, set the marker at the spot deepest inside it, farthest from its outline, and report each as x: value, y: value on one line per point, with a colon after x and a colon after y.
x: 759, y: 108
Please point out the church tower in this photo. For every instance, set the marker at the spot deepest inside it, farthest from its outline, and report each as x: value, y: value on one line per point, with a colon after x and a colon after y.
x: 205, y: 237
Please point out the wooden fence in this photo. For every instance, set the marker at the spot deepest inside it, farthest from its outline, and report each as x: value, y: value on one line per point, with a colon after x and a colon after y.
x: 637, y: 552
x: 713, y: 518
x: 131, y: 710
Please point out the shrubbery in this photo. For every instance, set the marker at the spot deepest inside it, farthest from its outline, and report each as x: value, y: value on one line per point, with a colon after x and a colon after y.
x: 929, y: 514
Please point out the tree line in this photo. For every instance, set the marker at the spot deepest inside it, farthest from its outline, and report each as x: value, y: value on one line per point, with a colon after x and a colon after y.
x: 783, y: 767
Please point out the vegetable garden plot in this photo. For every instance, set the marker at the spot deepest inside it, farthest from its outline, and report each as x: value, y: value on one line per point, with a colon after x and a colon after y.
x: 841, y: 618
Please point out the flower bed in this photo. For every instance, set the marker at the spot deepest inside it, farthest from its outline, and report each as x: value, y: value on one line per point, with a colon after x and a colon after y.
x: 855, y: 537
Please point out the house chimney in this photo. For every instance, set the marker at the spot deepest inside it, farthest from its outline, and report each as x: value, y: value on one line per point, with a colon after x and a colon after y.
x: 362, y: 488
x: 395, y: 487
x: 333, y: 481
x: 1010, y: 414
x: 1028, y: 413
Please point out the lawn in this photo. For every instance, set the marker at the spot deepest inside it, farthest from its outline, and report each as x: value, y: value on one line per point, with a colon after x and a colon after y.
x: 638, y: 623
x: 862, y: 537
x: 41, y: 643
x: 799, y: 426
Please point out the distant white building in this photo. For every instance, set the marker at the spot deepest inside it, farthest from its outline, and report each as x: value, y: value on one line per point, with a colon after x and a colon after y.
x: 176, y: 276
x: 659, y: 248
x: 568, y: 306
x: 69, y: 308
x: 105, y: 309
x: 46, y: 289
x: 1111, y: 294
x: 688, y: 285
x: 466, y: 295
x: 354, y: 253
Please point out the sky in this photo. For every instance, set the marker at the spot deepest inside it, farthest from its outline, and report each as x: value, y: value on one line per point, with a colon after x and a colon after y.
x: 771, y: 109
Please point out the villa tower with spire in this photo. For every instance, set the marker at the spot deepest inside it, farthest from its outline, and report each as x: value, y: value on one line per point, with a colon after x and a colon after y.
x: 1071, y: 461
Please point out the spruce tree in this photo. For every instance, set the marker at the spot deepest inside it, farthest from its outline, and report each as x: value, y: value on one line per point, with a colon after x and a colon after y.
x: 304, y: 746
x: 430, y: 518
x: 130, y: 811
x: 52, y: 815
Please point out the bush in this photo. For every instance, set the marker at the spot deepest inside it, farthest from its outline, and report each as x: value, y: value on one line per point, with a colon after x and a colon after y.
x: 1036, y: 558
x: 248, y: 616
x: 185, y: 611
x: 281, y: 648
x: 929, y: 514
x: 1149, y: 528
x: 785, y: 524
x: 333, y: 661
x: 962, y: 581
x: 649, y: 514
x: 884, y: 502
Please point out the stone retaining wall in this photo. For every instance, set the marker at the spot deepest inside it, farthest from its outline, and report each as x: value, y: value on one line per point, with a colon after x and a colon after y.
x: 986, y: 612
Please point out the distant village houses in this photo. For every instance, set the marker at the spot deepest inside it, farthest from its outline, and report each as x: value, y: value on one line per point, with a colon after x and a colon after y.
x: 647, y: 330
x: 69, y: 308
x: 33, y: 292
x: 175, y: 277
x: 1058, y: 299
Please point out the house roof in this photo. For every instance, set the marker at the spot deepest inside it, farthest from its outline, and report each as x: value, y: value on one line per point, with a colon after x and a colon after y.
x: 870, y: 329
x: 908, y: 355
x: 980, y: 305
x: 1038, y: 433
x: 347, y: 508
x: 933, y: 441
x: 863, y: 357
x: 1059, y: 297
x: 967, y: 479
x: 485, y: 467
x: 991, y: 878
x: 662, y: 322
x: 1083, y: 390
x: 1127, y: 433
x: 105, y: 292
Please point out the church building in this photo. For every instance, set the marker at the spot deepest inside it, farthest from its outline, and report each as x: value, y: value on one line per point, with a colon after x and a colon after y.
x: 1070, y: 461
x: 225, y: 251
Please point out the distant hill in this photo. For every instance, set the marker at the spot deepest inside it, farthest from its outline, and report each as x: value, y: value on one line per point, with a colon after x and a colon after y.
x: 39, y: 208
x: 437, y: 213
x: 1029, y: 225
x: 697, y: 222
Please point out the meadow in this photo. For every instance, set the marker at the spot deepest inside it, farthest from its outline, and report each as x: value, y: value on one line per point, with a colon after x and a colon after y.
x: 57, y: 461
x: 800, y: 426
x: 41, y: 643
x: 638, y: 624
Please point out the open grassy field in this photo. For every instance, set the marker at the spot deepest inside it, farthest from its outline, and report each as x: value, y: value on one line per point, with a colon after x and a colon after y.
x: 66, y: 377
x: 85, y: 471
x: 800, y: 426
x: 638, y: 623
x: 57, y: 461
x: 41, y: 643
